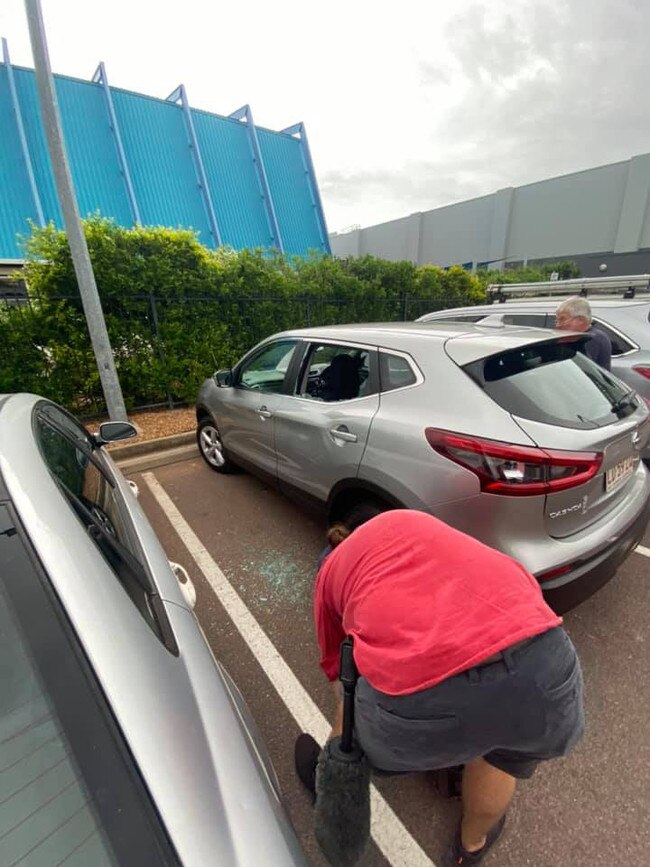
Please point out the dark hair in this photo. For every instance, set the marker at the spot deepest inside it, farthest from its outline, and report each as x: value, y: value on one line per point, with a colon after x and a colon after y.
x: 357, y: 516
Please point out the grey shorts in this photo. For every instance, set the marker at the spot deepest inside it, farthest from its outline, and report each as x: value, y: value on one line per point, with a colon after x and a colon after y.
x: 514, y: 713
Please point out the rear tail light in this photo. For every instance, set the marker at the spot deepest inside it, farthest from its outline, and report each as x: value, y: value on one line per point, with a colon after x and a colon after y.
x: 555, y: 573
x: 644, y: 371
x: 523, y: 471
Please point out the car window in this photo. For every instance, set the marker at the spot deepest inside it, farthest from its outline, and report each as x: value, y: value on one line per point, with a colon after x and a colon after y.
x: 70, y: 793
x: 267, y: 369
x: 551, y: 383
x: 531, y: 320
x: 619, y: 344
x: 395, y: 371
x: 334, y: 373
x: 66, y: 450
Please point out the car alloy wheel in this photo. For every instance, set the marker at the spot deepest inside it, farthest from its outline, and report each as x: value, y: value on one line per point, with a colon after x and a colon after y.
x: 211, y: 445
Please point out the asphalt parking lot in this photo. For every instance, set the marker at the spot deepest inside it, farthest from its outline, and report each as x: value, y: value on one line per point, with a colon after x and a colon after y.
x: 235, y: 534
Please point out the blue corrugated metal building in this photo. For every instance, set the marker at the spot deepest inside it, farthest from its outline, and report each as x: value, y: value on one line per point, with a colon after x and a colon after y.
x: 156, y: 162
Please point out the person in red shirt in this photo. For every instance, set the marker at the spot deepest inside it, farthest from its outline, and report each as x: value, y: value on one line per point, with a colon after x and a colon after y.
x: 460, y: 660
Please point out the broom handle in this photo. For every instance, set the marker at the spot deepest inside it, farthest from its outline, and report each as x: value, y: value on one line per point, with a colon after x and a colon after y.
x: 348, y: 677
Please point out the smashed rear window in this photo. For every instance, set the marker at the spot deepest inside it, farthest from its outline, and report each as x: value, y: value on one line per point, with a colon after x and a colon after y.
x: 553, y: 383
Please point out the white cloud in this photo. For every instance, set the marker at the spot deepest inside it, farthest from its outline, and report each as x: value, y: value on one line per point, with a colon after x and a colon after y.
x: 407, y: 105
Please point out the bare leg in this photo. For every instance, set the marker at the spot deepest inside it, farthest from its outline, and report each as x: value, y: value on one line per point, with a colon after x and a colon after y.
x: 487, y: 793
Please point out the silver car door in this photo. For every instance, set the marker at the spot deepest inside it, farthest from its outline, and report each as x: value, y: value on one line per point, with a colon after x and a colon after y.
x: 247, y: 409
x: 322, y: 429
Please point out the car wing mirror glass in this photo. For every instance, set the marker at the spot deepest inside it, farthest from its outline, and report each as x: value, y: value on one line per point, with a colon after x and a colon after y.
x: 112, y: 431
x: 223, y: 378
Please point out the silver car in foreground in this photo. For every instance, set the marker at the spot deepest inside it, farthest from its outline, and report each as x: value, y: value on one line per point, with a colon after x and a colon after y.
x: 122, y: 740
x: 509, y: 434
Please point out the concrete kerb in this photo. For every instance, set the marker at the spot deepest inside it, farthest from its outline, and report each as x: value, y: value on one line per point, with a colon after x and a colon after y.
x: 135, y: 457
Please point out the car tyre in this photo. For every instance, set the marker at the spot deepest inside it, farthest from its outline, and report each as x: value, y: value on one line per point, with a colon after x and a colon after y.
x: 211, y: 447
x: 364, y: 508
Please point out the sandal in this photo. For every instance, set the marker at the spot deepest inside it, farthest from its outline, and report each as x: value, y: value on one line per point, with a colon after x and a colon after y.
x: 305, y: 753
x: 459, y: 856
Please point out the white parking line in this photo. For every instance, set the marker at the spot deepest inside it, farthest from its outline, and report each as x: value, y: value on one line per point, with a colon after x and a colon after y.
x: 388, y: 832
x: 641, y: 549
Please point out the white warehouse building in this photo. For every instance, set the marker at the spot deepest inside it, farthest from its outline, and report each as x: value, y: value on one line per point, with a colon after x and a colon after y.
x: 598, y: 217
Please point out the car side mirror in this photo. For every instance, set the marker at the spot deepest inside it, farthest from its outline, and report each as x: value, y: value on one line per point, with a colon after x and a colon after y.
x: 112, y: 431
x: 223, y: 378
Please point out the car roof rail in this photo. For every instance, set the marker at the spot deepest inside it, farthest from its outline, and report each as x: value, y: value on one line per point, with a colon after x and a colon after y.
x: 628, y: 287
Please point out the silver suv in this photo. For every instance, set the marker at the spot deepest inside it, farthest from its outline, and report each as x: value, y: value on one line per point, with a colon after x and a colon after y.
x: 509, y: 434
x: 122, y: 740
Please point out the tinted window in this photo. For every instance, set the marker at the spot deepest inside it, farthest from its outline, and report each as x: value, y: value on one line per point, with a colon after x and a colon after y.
x: 395, y: 371
x: 619, y: 344
x: 66, y: 449
x: 531, y: 320
x: 551, y: 383
x: 333, y: 373
x: 69, y: 792
x: 267, y: 370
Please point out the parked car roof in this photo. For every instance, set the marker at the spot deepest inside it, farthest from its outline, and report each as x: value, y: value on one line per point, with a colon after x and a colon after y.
x: 470, y: 340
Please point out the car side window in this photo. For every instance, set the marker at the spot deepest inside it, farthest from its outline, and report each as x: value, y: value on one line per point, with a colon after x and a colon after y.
x: 531, y: 320
x: 67, y: 451
x: 267, y: 370
x: 619, y: 344
x: 395, y: 371
x: 333, y: 373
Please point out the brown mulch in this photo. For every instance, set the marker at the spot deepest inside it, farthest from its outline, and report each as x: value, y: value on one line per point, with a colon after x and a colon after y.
x: 157, y: 423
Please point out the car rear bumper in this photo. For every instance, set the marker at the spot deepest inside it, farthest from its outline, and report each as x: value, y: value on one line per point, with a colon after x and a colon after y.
x: 568, y: 590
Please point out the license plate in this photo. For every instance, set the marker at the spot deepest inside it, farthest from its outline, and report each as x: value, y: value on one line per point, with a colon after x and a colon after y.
x: 618, y: 474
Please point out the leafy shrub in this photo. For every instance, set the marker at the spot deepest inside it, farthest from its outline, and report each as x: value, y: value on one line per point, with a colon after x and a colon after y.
x: 176, y: 310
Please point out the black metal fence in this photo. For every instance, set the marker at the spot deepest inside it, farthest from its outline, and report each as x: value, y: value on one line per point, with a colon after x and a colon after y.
x: 163, y: 347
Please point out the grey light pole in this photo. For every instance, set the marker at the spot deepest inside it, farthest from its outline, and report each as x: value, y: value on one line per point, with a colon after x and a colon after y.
x: 72, y: 222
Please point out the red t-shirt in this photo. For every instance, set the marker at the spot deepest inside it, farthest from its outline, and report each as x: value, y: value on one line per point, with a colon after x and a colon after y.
x: 423, y: 602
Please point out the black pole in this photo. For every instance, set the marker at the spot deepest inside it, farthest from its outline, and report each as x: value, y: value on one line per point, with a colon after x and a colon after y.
x: 348, y: 678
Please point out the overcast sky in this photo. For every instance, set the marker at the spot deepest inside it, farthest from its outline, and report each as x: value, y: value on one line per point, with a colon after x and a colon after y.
x: 407, y: 106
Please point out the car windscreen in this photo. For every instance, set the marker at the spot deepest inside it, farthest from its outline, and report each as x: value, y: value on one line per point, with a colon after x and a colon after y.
x: 554, y: 383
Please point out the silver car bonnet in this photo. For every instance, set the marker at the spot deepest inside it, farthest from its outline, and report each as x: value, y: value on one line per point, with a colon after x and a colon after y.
x: 205, y: 777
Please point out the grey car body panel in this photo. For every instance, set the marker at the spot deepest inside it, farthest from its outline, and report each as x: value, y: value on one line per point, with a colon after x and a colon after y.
x: 200, y: 764
x: 311, y: 453
x: 569, y: 511
x: 247, y: 431
x: 513, y: 526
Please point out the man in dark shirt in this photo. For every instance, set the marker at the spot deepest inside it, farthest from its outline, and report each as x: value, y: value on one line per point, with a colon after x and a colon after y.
x: 574, y: 314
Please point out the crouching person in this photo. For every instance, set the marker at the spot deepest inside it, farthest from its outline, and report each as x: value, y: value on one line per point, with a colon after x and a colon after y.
x: 460, y: 661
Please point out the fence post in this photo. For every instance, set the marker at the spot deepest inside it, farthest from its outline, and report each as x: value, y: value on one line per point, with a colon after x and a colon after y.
x: 161, y: 351
x: 405, y: 302
x: 308, y: 311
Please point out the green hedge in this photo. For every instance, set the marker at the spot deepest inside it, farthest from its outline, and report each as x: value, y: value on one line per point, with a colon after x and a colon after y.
x: 176, y: 310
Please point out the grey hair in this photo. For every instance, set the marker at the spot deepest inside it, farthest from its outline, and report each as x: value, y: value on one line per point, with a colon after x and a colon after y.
x: 576, y: 307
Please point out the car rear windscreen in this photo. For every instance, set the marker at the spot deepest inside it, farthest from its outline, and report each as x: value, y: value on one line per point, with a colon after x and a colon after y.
x: 553, y: 383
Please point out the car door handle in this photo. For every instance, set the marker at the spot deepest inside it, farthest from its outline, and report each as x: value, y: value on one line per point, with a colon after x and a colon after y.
x: 263, y: 412
x: 185, y: 583
x: 342, y: 433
